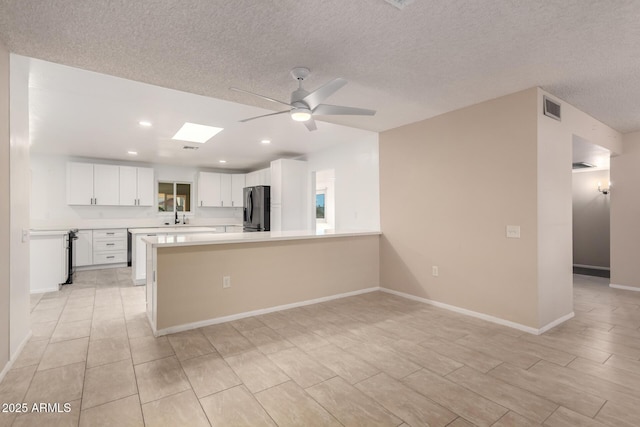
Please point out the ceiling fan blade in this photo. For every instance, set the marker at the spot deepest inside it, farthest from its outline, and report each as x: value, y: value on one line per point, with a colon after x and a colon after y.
x: 323, y: 92
x: 260, y: 96
x: 264, y: 115
x: 328, y: 110
x: 310, y: 124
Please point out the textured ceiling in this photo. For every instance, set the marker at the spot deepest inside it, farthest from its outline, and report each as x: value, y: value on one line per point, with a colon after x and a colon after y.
x: 431, y: 57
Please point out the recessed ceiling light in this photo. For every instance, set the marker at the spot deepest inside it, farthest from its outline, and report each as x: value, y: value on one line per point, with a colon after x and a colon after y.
x: 144, y: 123
x: 133, y: 153
x: 196, y: 133
x: 266, y: 141
x: 222, y: 161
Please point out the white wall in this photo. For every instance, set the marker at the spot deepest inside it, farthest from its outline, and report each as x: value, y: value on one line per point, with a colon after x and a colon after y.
x: 555, y: 255
x: 19, y: 201
x: 5, y: 212
x: 357, y: 182
x: 49, y: 201
x: 590, y: 219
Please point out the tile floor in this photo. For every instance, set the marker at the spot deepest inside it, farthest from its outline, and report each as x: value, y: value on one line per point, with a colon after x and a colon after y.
x: 369, y: 360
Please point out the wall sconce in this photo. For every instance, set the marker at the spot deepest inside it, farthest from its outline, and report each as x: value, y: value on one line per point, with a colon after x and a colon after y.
x: 604, y: 191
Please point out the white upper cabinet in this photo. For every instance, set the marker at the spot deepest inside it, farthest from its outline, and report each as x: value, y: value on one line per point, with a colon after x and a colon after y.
x: 220, y: 190
x: 89, y: 184
x: 225, y: 190
x: 79, y: 183
x: 136, y: 186
x: 209, y: 189
x: 109, y: 185
x: 128, y: 186
x: 146, y: 187
x: 259, y: 177
x: 237, y: 187
x: 106, y: 185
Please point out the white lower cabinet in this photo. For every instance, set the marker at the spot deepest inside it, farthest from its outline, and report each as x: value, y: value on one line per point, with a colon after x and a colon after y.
x: 140, y: 257
x: 48, y: 261
x: 109, y: 246
x: 83, y: 249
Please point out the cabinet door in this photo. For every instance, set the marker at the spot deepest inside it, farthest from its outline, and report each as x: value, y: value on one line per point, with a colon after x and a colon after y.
x: 276, y: 181
x: 209, y: 189
x: 225, y: 190
x: 276, y: 218
x: 141, y: 257
x: 128, y: 178
x: 146, y: 187
x: 106, y: 184
x: 237, y: 186
x: 265, y: 176
x: 79, y: 183
x: 83, y: 248
x: 250, y: 179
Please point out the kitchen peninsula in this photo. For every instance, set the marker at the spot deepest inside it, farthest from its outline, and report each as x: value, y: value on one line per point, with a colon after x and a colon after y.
x: 203, y: 279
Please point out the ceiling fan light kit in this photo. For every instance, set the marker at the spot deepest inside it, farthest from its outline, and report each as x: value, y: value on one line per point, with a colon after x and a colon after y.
x: 304, y: 104
x: 300, y: 114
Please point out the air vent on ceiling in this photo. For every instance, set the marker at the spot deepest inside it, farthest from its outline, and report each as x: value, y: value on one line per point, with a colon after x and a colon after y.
x: 400, y: 4
x: 551, y: 108
x: 582, y: 165
x: 189, y: 147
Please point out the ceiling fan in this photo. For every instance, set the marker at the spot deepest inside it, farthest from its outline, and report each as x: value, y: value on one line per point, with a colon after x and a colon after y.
x: 304, y: 105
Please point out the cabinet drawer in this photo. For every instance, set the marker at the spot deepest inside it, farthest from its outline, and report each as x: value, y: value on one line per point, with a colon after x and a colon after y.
x: 109, y: 234
x: 109, y: 245
x: 109, y: 257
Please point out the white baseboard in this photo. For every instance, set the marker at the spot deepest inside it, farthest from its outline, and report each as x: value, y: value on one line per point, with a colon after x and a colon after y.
x: 99, y: 266
x: 592, y: 267
x: 555, y: 323
x: 626, y: 288
x: 482, y: 316
x: 46, y: 290
x: 224, y: 319
x: 15, y: 356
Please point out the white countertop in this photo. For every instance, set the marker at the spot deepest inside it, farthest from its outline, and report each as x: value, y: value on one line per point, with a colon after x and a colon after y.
x: 265, y: 236
x: 36, y: 233
x: 184, y: 229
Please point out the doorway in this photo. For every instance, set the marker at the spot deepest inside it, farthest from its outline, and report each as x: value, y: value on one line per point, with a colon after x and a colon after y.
x: 591, y: 194
x: 325, y: 217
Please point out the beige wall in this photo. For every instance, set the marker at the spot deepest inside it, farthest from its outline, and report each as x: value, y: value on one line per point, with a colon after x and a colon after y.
x: 625, y: 214
x: 263, y: 275
x: 448, y: 187
x: 590, y: 219
x: 4, y: 208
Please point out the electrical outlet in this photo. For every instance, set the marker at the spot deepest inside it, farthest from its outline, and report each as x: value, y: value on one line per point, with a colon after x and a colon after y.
x: 513, y: 231
x: 226, y: 281
x: 434, y: 271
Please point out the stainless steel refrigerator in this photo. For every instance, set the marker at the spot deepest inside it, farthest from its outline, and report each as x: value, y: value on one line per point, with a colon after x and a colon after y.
x: 257, y: 208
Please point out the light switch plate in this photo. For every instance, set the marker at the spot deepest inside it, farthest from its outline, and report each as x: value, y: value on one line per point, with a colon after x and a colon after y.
x: 513, y: 231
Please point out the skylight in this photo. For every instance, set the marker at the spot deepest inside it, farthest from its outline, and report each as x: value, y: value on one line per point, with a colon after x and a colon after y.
x: 196, y: 133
